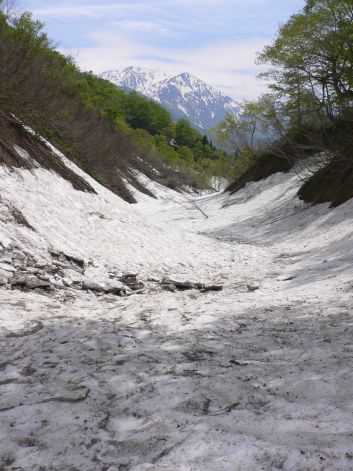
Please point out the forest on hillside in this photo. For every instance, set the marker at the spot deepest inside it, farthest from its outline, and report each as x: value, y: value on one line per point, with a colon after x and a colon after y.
x: 104, y: 130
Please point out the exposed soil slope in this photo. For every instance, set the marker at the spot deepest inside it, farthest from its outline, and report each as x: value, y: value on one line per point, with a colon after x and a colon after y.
x: 22, y: 149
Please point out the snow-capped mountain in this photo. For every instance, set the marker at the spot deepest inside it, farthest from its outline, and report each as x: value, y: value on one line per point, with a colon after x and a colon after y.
x: 135, y: 78
x: 184, y: 95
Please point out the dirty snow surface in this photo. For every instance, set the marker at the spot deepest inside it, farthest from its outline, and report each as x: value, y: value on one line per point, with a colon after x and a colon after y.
x: 257, y: 376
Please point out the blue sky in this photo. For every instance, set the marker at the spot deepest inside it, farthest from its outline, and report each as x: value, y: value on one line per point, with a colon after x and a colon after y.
x: 216, y: 40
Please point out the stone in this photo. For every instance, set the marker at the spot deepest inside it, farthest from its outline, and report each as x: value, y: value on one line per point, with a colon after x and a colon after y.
x: 31, y: 270
x: 153, y: 279
x: 30, y: 282
x: 18, y: 262
x: 130, y: 280
x: 108, y: 287
x: 6, y: 260
x: 7, y: 267
x: 212, y: 288
x: 168, y: 287
x: 94, y: 286
x: 253, y: 287
x: 182, y: 284
x: 45, y: 277
x: 67, y: 282
x: 129, y: 275
x: 115, y: 287
x: 175, y: 282
x: 19, y: 254
x: 5, y: 277
x: 41, y: 264
x: 73, y: 275
x: 187, y: 285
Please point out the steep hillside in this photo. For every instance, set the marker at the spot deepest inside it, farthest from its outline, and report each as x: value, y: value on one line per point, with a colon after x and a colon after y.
x: 67, y: 212
x: 109, y: 134
x: 184, y: 95
x: 20, y: 148
x: 310, y: 108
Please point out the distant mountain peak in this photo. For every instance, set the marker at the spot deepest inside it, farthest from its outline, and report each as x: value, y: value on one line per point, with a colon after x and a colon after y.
x: 183, y: 95
x: 188, y: 77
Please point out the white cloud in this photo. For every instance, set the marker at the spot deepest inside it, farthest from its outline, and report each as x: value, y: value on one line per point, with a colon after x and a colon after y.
x: 69, y: 10
x: 132, y: 26
x: 89, y: 9
x: 228, y: 66
x: 165, y: 35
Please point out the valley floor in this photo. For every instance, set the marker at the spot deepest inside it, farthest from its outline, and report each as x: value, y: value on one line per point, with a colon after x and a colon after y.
x: 258, y: 376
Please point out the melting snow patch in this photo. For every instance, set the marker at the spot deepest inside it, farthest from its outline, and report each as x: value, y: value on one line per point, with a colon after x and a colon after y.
x: 25, y: 155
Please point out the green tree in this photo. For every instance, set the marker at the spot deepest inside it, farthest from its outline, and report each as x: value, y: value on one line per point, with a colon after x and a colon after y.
x: 185, y: 134
x: 7, y: 7
x: 312, y: 59
x: 236, y: 133
x: 146, y: 114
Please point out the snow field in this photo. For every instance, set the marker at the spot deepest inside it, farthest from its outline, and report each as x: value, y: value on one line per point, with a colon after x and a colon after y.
x: 256, y: 377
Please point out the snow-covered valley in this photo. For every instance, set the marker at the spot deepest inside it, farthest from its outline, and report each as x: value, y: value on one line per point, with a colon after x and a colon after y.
x: 257, y: 376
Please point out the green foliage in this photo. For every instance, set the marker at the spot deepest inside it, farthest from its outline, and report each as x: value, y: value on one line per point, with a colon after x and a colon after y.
x: 242, y: 163
x: 237, y: 133
x: 146, y: 114
x: 311, y: 98
x: 89, y: 118
x: 185, y: 134
x: 231, y: 134
x: 25, y: 28
x: 312, y: 61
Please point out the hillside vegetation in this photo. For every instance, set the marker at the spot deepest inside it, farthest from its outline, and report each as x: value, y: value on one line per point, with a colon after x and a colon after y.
x: 310, y: 108
x: 108, y: 133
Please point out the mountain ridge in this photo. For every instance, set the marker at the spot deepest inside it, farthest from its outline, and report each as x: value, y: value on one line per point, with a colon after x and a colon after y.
x: 183, y: 95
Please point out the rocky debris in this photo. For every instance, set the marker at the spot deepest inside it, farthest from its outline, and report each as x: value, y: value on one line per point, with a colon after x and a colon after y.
x: 30, y: 282
x: 252, y: 287
x: 211, y: 288
x: 17, y: 262
x: 72, y: 276
x: 130, y: 280
x: 65, y: 259
x: 5, y: 277
x: 6, y: 260
x: 20, y: 270
x: 18, y: 254
x: 153, y: 279
x: 91, y: 285
x: 107, y: 287
x: 168, y: 287
x: 182, y: 285
x: 67, y: 282
x: 7, y: 267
